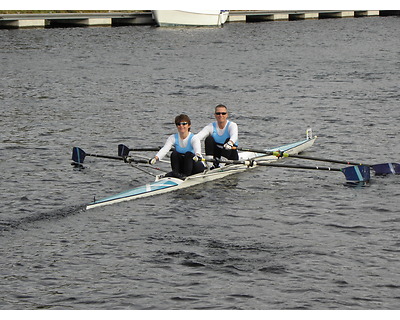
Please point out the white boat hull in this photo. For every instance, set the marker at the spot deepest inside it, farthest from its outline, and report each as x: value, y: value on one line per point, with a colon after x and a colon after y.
x: 169, y: 184
x: 205, y: 18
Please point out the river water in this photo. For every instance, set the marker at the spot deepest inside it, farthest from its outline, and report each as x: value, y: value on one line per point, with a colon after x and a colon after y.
x: 270, y: 238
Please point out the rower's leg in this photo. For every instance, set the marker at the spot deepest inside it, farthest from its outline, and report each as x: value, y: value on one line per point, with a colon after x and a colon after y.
x: 230, y: 154
x: 176, y: 161
x: 198, y: 167
x: 209, y: 145
x: 187, y: 164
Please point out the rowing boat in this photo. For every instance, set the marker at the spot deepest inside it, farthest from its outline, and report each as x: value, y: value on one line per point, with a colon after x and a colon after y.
x: 194, y: 18
x: 164, y: 184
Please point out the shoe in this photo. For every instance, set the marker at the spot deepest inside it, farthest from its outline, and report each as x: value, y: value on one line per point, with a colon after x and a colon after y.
x: 215, y: 163
x: 215, y: 166
x: 179, y: 175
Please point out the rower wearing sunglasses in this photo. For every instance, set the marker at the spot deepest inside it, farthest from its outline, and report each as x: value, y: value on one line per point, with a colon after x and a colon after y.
x: 187, y: 150
x: 220, y: 136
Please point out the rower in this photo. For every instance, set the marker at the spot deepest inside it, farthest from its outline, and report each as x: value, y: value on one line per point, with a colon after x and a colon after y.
x: 186, y: 153
x: 220, y: 136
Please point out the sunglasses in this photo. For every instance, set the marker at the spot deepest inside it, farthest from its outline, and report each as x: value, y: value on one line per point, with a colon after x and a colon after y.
x: 219, y: 113
x: 181, y: 124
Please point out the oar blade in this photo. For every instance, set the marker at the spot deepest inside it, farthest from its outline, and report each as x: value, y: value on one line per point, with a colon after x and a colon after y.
x: 78, y: 156
x: 123, y: 150
x: 386, y: 168
x: 359, y: 173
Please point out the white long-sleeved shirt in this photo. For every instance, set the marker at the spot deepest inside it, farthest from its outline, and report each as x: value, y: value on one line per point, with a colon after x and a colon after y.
x: 182, y: 142
x: 209, y: 129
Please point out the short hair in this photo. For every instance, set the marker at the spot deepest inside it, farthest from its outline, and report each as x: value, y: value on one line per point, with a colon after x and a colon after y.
x: 182, y: 118
x: 221, y: 106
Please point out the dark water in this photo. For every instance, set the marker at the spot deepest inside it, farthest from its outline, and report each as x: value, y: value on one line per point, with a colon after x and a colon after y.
x: 266, y: 239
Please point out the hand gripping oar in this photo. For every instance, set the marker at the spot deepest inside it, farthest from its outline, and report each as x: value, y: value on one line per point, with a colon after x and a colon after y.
x: 78, y: 156
x: 359, y: 173
x: 380, y: 169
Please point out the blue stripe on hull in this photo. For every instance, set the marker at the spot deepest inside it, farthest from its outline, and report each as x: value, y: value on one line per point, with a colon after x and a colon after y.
x: 148, y: 188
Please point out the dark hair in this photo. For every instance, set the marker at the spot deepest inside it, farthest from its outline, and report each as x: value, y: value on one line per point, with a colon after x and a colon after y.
x: 221, y: 106
x: 182, y: 118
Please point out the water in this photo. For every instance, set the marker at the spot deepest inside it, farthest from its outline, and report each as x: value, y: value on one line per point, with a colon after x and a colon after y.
x: 270, y: 238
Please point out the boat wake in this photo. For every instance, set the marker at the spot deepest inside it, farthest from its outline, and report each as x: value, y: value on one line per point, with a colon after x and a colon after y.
x: 7, y: 225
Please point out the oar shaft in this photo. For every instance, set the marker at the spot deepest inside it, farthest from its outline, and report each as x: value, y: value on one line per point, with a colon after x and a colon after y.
x: 254, y: 150
x: 82, y: 154
x: 123, y: 150
x: 251, y: 163
x: 269, y: 164
x: 380, y: 169
x: 278, y: 153
x: 359, y: 173
x: 321, y: 159
x: 145, y: 149
x: 103, y: 156
x: 353, y: 174
x: 126, y: 159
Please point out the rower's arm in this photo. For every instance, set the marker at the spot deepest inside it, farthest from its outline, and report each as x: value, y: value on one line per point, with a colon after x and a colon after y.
x: 167, y: 146
x: 205, y: 132
x: 233, y: 132
x: 196, y: 146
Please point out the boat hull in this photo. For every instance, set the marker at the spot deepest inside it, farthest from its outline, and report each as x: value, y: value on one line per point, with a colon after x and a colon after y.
x: 168, y: 184
x: 204, y: 18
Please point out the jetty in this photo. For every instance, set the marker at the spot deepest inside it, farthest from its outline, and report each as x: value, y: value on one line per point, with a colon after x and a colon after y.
x: 55, y: 20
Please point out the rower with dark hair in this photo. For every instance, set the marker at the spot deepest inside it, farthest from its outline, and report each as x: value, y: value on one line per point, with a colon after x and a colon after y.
x: 187, y: 150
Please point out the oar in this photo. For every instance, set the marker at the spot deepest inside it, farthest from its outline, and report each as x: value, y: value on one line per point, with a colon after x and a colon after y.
x: 380, y: 169
x: 254, y: 150
x: 359, y: 173
x: 123, y: 150
x: 78, y: 156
